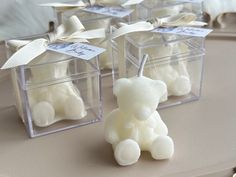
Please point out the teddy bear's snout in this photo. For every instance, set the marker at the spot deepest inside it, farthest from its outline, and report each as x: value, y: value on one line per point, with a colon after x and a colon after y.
x: 143, y: 113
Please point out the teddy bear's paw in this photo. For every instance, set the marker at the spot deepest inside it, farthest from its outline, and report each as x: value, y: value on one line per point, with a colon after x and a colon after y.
x: 127, y: 152
x: 181, y: 86
x: 43, y: 114
x: 162, y: 148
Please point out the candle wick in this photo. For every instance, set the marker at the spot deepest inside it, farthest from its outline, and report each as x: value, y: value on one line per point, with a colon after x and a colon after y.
x: 144, y: 60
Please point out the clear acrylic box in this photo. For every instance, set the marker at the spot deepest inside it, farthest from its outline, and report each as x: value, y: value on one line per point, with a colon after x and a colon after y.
x: 162, y: 8
x: 94, y: 21
x: 177, y: 60
x: 55, y: 92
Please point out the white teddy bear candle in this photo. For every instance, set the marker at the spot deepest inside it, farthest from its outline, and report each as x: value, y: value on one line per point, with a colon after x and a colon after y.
x: 175, y: 76
x: 50, y: 104
x: 135, y: 125
x: 59, y: 101
x: 160, y: 65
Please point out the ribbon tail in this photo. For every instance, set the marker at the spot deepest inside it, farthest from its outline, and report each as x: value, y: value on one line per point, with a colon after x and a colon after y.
x: 193, y: 23
x: 181, y: 19
x: 17, y: 44
x: 132, y: 2
x: 26, y: 54
x: 136, y: 27
x: 73, y: 24
x: 197, y: 23
x: 93, y: 34
x: 83, y: 36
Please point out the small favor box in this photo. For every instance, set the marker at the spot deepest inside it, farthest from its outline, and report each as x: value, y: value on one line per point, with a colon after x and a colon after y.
x: 96, y: 17
x: 163, y: 8
x: 175, y: 59
x: 55, y: 92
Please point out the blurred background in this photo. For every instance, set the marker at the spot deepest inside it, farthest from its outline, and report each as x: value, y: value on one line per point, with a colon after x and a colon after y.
x: 20, y: 18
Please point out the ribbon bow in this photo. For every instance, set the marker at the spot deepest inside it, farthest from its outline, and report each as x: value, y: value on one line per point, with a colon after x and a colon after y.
x: 80, y: 4
x: 71, y: 31
x: 182, y: 19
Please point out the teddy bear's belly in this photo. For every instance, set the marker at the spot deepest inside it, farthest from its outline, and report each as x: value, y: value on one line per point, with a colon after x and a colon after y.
x: 143, y: 135
x: 146, y: 137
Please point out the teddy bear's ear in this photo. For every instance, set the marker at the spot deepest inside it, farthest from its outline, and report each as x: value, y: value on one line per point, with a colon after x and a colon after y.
x: 161, y: 87
x: 120, y: 84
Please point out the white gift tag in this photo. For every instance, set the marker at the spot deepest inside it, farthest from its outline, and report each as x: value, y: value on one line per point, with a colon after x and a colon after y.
x: 79, y: 50
x: 109, y: 11
x: 188, y: 31
x: 191, y: 1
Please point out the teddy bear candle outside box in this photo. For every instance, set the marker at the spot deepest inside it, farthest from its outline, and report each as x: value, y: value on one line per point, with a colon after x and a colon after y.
x: 98, y: 14
x: 56, y: 79
x: 135, y: 125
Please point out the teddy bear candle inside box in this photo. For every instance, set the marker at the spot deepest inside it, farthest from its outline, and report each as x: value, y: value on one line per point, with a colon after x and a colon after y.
x: 55, y: 91
x: 175, y: 59
x: 95, y: 21
x: 99, y: 14
x: 163, y: 8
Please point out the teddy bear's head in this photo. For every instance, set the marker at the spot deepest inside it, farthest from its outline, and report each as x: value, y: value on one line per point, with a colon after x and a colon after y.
x: 139, y: 96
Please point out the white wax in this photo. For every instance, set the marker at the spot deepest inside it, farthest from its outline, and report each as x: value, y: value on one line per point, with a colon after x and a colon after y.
x: 74, y: 108
x: 127, y: 152
x: 63, y: 99
x: 162, y: 148
x: 135, y: 125
x: 43, y: 114
x: 175, y: 75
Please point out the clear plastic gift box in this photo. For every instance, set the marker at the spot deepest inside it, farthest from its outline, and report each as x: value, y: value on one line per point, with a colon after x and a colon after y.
x: 175, y: 59
x: 163, y: 8
x: 55, y: 92
x: 94, y: 21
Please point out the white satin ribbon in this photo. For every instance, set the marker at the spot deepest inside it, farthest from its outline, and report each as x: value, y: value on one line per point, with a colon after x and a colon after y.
x: 182, y: 19
x: 66, y: 6
x: 71, y: 31
x: 80, y: 4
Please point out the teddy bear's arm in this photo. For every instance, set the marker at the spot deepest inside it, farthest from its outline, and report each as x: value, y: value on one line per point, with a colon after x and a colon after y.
x: 111, y: 124
x: 160, y: 128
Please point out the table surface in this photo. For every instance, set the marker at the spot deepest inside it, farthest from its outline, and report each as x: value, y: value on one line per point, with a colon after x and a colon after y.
x: 204, y: 133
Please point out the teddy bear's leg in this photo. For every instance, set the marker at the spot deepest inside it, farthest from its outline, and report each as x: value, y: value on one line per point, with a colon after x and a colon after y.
x: 182, y: 69
x: 162, y: 148
x: 43, y: 114
x: 181, y: 86
x: 127, y: 152
x: 67, y: 102
x: 74, y: 108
